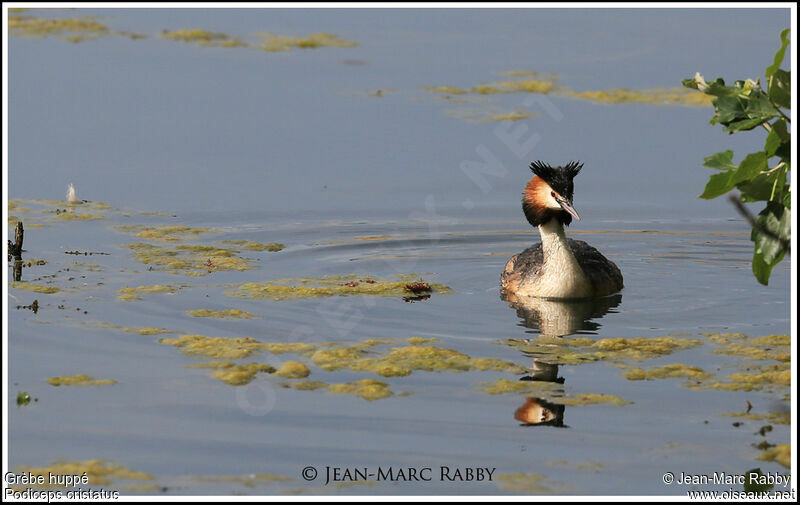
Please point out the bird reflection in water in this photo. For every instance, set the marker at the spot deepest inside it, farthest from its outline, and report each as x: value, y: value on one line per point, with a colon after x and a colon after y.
x: 556, y: 319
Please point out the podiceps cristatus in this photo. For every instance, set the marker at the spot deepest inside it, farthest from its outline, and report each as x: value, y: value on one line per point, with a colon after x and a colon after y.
x: 558, y: 267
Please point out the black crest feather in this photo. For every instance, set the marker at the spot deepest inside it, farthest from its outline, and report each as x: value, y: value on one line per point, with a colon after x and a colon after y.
x: 559, y: 178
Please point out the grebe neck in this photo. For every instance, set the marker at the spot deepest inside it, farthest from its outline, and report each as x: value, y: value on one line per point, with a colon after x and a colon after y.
x: 562, y: 276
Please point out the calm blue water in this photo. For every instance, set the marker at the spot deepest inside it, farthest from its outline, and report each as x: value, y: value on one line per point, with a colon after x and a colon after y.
x: 288, y: 147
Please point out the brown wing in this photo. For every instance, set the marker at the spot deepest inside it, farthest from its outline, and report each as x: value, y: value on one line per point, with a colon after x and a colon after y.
x: 604, y: 275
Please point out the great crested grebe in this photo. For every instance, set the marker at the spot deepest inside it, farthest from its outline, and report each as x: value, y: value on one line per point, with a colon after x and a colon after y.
x: 558, y: 267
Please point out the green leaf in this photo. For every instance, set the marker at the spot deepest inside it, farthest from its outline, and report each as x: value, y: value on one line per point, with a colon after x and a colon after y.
x: 717, y: 185
x: 743, y: 112
x: 780, y: 88
x: 720, y: 161
x: 764, y: 187
x: 750, y: 167
x: 771, y: 234
x: 776, y: 64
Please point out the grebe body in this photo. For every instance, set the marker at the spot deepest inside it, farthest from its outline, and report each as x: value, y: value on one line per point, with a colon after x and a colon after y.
x: 558, y: 267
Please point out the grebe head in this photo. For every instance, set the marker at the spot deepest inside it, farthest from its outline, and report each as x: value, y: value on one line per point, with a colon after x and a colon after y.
x: 548, y: 195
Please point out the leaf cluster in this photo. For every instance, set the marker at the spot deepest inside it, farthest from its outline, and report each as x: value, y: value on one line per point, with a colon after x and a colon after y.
x: 762, y: 175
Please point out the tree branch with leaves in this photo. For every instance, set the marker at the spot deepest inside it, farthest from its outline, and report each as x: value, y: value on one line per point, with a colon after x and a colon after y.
x: 763, y: 175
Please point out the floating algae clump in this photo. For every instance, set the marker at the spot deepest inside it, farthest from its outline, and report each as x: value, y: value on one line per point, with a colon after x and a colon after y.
x: 256, y: 246
x: 33, y: 287
x: 659, y: 96
x: 349, y: 285
x: 231, y: 347
x: 768, y: 378
x: 233, y: 374
x: 71, y: 29
x: 222, y: 314
x: 752, y: 349
x: 141, y: 330
x: 239, y: 375
x: 401, y: 361
x: 577, y: 350
x: 204, y: 38
x: 170, y: 233
x: 779, y: 417
x: 79, y: 380
x: 769, y: 347
x: 368, y: 389
x: 293, y: 370
x: 671, y: 371
x: 503, y: 386
x: 781, y: 454
x: 548, y: 390
x: 98, y: 471
x: 215, y: 347
x: 276, y: 43
x: 450, y: 90
x: 541, y: 87
x: 189, y: 259
x: 305, y: 385
x: 128, y: 294
x: 290, y: 347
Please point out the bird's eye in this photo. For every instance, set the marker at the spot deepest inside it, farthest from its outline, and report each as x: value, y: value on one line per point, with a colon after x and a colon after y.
x: 553, y: 194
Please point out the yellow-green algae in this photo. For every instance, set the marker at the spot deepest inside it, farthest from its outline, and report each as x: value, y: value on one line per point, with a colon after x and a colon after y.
x: 577, y: 350
x: 239, y: 375
x: 33, y: 287
x: 781, y: 454
x: 751, y: 350
x: 658, y: 96
x: 79, y: 380
x: 70, y: 29
x: 671, y: 371
x: 337, y: 285
x: 275, y: 43
x: 769, y: 347
x: 538, y: 86
x: 368, y: 389
x: 222, y: 314
x: 139, y: 330
x: 509, y: 116
x: 204, y: 38
x: 256, y: 246
x: 503, y: 386
x: 170, y: 233
x: 98, y: 471
x: 528, y: 483
x: 548, y: 390
x: 215, y: 347
x: 779, y: 417
x: 127, y: 293
x: 189, y: 259
x: 71, y: 215
x: 234, y: 374
x: 293, y: 370
x: 401, y: 361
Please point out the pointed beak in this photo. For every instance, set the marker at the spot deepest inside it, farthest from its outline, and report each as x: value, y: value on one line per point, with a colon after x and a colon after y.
x: 567, y: 206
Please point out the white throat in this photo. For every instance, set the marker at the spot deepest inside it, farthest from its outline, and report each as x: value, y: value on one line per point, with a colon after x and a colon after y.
x: 562, y: 276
